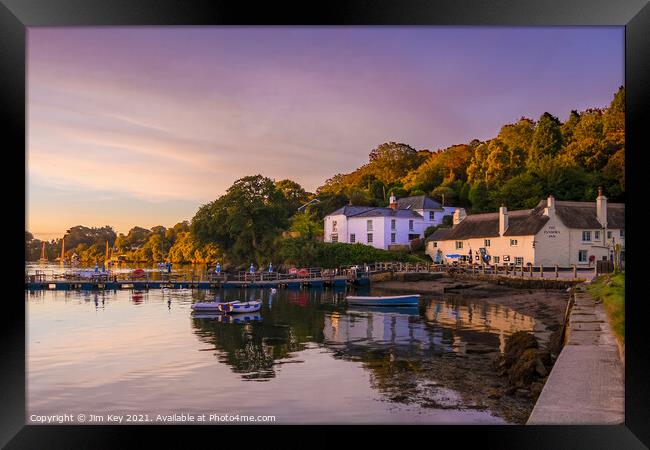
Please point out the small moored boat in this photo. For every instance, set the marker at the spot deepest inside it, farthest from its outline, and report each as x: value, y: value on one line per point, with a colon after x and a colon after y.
x: 239, y: 307
x: 391, y: 300
x: 212, y: 306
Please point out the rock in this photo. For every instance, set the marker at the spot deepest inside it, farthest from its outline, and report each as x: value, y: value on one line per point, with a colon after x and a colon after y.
x: 539, y: 368
x: 522, y: 373
x: 536, y: 389
x: 494, y: 393
x: 517, y: 344
x: 522, y: 393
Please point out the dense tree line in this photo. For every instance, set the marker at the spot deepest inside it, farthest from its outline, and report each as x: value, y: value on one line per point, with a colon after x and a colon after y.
x: 259, y: 220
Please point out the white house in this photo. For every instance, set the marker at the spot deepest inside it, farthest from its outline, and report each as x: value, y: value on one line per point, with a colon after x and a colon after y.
x: 554, y: 232
x: 404, y: 220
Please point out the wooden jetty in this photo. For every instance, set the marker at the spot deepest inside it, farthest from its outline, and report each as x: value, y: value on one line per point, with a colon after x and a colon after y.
x: 358, y: 275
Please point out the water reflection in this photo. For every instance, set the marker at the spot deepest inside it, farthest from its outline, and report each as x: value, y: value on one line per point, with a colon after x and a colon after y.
x: 291, y: 319
x: 146, y: 350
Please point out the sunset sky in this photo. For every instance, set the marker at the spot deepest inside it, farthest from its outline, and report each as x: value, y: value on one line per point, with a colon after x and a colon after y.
x: 140, y: 126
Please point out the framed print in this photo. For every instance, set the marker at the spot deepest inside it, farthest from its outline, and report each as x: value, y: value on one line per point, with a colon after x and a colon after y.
x: 253, y: 217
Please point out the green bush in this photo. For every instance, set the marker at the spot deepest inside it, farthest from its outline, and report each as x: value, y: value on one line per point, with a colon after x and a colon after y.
x: 306, y: 253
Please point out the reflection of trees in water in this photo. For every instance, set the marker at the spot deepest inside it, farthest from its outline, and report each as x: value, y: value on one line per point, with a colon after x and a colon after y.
x: 253, y: 349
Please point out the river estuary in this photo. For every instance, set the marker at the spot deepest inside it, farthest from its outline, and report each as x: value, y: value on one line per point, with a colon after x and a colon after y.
x: 306, y: 357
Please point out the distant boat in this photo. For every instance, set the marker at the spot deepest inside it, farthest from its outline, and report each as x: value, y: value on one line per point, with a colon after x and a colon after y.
x: 238, y: 307
x: 212, y: 306
x: 43, y: 257
x: 392, y: 300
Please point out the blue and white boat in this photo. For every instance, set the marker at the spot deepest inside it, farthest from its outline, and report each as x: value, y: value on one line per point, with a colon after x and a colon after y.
x: 212, y: 306
x: 391, y: 300
x: 241, y: 307
x: 239, y: 318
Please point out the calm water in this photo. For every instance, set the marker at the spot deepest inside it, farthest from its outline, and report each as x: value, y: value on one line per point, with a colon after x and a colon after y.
x: 306, y: 357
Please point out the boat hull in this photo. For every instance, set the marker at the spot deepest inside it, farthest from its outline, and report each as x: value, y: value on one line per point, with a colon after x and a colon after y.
x: 397, y: 300
x: 241, y: 308
x: 211, y: 306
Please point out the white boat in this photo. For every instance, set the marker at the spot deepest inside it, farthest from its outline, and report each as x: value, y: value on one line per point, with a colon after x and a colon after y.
x: 239, y: 318
x: 212, y: 306
x: 391, y: 300
x: 239, y: 307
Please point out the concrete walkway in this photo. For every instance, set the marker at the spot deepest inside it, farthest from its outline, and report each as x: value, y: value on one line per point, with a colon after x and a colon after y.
x: 586, y: 384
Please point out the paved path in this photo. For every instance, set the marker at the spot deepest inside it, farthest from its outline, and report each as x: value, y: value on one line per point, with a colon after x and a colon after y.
x: 586, y: 385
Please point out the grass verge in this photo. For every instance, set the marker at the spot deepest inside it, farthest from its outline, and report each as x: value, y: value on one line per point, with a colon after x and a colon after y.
x: 610, y: 289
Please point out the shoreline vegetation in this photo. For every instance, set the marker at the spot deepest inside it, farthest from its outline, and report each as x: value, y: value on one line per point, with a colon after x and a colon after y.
x: 260, y: 221
x: 610, y: 290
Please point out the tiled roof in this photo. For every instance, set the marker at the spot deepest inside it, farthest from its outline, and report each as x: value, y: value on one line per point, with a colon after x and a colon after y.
x: 418, y: 202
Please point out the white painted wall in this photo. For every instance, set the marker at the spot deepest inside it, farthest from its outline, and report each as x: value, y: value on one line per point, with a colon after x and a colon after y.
x: 555, y: 243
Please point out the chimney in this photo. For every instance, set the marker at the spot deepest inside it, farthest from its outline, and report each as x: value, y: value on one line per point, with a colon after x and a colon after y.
x: 550, y: 206
x: 393, y: 202
x: 601, y: 208
x: 459, y: 215
x: 503, y: 219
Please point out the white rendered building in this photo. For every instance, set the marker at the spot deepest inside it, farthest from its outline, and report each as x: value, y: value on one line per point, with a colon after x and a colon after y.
x: 404, y: 220
x: 554, y: 232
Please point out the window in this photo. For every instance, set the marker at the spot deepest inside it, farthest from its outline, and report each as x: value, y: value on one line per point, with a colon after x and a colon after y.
x: 609, y: 235
x: 334, y: 237
x: 392, y: 238
x: 369, y: 238
x: 495, y: 259
x: 586, y: 236
x: 582, y: 256
x: 410, y: 224
x: 513, y: 242
x: 393, y: 226
x: 431, y: 216
x: 353, y: 238
x: 486, y: 242
x: 459, y: 245
x: 519, y: 261
x: 597, y: 235
x: 369, y: 225
x: 435, y: 244
x: 334, y: 226
x: 622, y: 233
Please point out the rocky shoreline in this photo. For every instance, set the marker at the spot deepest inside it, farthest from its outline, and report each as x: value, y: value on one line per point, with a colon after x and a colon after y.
x: 509, y: 383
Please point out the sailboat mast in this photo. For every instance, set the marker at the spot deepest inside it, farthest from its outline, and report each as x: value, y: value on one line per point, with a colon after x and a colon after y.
x: 62, y: 250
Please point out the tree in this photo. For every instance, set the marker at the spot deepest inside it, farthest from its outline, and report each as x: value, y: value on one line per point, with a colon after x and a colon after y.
x: 307, y: 225
x: 245, y: 222
x: 391, y: 161
x: 295, y: 196
x: 479, y: 196
x: 547, y: 138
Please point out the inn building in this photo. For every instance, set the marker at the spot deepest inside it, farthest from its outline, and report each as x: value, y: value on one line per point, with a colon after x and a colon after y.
x: 554, y: 232
x: 393, y: 226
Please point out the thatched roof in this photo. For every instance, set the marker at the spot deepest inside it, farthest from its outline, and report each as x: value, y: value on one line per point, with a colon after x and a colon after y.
x: 520, y: 223
x: 439, y: 234
x: 528, y: 222
x: 583, y: 214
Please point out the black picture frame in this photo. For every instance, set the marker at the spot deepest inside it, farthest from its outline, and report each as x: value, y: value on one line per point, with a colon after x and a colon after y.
x: 17, y: 15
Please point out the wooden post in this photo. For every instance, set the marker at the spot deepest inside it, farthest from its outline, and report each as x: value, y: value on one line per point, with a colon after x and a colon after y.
x: 531, y: 270
x: 541, y: 271
x: 575, y: 271
x: 556, y: 271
